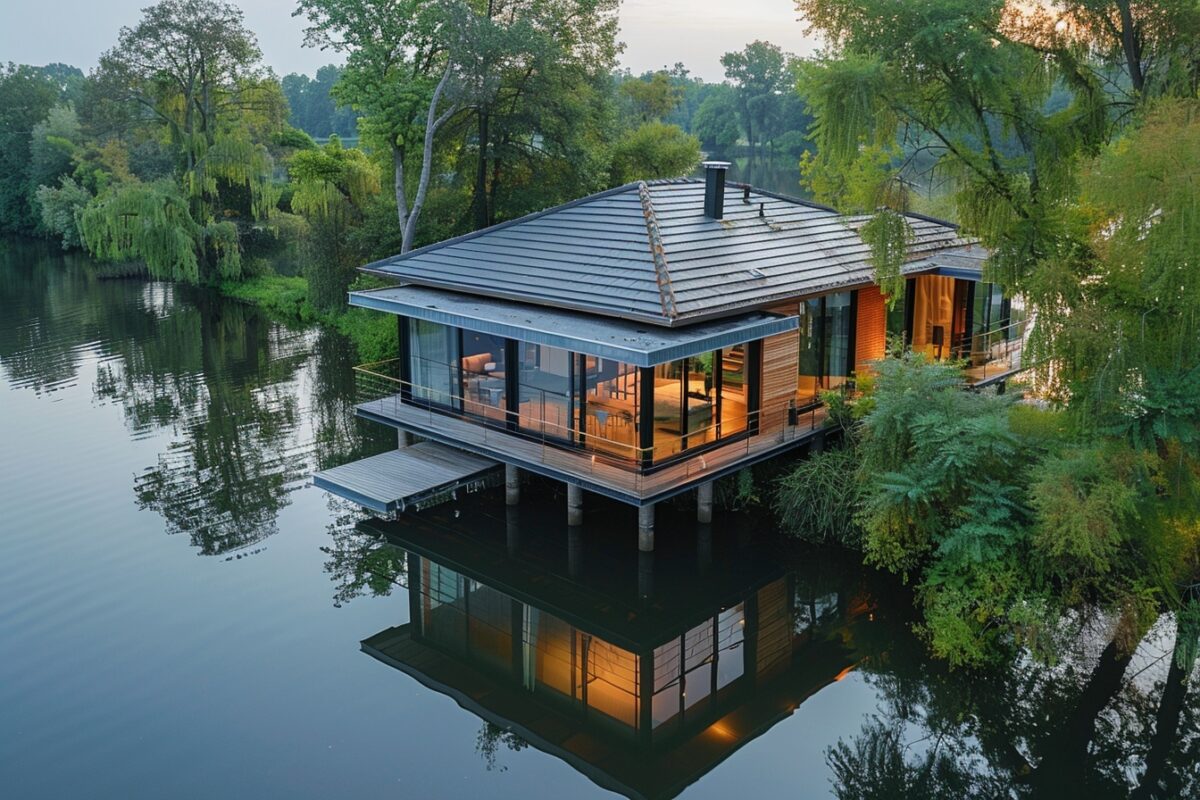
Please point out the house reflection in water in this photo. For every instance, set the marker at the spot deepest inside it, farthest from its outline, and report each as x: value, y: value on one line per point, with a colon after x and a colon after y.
x: 643, y: 694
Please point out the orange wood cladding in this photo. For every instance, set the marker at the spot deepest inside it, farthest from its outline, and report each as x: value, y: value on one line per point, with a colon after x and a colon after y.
x: 781, y: 355
x: 870, y: 338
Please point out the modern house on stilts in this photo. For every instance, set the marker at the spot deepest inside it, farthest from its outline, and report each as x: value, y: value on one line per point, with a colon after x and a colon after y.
x: 647, y: 340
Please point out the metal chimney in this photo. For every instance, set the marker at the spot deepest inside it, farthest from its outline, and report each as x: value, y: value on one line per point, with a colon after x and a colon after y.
x: 714, y: 188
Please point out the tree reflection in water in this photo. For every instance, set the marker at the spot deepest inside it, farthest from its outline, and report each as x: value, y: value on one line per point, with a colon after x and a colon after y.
x: 253, y: 407
x: 1107, y: 725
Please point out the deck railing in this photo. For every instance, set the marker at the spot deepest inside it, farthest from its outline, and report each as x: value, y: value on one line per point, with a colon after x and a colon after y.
x: 588, y: 453
x: 995, y: 352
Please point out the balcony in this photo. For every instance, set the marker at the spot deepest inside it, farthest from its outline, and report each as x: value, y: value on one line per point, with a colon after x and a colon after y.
x: 598, y: 459
x: 995, y: 354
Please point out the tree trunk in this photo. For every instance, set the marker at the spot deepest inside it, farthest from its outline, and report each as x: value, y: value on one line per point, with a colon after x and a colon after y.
x: 481, y: 174
x: 398, y: 185
x: 432, y: 124
x: 1060, y: 771
x: 1131, y: 44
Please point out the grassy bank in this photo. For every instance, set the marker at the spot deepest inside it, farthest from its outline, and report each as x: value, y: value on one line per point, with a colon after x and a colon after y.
x: 286, y: 298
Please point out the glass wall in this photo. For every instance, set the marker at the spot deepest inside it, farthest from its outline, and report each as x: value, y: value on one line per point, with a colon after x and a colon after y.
x: 433, y: 362
x: 839, y: 355
x: 812, y: 327
x: 547, y: 391
x: 933, y: 316
x: 483, y: 375
x: 611, y: 407
x: 735, y: 391
x: 594, y: 402
x: 826, y: 344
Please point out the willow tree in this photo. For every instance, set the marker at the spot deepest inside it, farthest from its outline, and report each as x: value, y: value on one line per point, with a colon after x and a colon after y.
x: 938, y: 79
x: 332, y: 185
x: 192, y: 68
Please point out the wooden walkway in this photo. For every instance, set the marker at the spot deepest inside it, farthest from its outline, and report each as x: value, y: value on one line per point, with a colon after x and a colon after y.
x: 391, y: 482
x: 585, y: 468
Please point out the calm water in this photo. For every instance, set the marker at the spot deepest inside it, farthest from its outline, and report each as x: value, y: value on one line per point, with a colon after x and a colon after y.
x: 182, y: 616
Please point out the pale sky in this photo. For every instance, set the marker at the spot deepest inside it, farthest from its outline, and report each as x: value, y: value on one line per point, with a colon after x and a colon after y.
x: 657, y: 33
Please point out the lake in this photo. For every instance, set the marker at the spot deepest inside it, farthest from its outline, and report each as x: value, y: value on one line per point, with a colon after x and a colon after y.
x: 183, y: 615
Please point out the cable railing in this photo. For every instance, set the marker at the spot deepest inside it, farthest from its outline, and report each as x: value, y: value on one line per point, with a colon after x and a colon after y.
x: 995, y: 352
x: 532, y: 432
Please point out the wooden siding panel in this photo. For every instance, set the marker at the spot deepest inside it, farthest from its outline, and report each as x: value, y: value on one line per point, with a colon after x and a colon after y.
x: 781, y: 363
x: 870, y: 338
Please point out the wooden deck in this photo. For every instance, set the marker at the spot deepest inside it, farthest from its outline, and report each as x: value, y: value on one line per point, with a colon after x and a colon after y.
x: 391, y: 482
x: 590, y: 470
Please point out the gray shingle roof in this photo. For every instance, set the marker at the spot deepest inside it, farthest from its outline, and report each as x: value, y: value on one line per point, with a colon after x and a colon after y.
x: 646, y: 251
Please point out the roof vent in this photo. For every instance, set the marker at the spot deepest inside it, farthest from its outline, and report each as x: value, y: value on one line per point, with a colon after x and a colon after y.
x: 714, y: 188
x: 757, y: 273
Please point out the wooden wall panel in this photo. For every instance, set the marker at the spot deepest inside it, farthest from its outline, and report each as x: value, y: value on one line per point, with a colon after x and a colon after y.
x: 870, y: 336
x: 781, y: 357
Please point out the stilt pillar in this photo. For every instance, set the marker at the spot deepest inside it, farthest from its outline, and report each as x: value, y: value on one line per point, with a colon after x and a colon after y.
x: 574, y: 551
x: 404, y: 438
x: 646, y: 528
x: 704, y: 503
x: 512, y: 530
x: 704, y: 549
x: 645, y: 575
x: 574, y: 504
x: 512, y: 485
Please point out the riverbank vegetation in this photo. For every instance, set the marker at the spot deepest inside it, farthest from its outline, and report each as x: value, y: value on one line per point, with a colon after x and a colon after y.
x: 182, y: 156
x: 1066, y: 137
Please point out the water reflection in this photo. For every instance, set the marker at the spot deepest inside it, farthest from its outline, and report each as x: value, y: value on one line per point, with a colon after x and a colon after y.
x: 560, y: 643
x: 253, y: 406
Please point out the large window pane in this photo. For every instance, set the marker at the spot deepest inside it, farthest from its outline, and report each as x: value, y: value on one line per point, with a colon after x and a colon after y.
x: 433, y: 361
x: 546, y: 395
x: 611, y: 408
x: 483, y: 375
x: 838, y: 324
x: 734, y: 391
x: 811, y: 329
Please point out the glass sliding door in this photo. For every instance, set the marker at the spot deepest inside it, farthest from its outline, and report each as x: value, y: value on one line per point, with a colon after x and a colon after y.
x: 483, y: 375
x: 434, y: 363
x: 812, y: 329
x: 839, y: 322
x: 735, y: 397
x: 611, y: 397
x: 548, y: 396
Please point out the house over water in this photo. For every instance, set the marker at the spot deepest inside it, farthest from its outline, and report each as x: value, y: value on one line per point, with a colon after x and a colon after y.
x: 647, y: 340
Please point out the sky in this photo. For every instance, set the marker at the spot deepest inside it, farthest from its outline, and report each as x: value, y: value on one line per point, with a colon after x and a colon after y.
x: 657, y: 33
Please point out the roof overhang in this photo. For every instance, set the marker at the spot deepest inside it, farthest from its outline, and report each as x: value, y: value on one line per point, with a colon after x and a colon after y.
x: 634, y: 343
x: 965, y: 263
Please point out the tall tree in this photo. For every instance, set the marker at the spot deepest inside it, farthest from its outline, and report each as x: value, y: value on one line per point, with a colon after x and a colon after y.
x: 26, y: 97
x: 760, y: 75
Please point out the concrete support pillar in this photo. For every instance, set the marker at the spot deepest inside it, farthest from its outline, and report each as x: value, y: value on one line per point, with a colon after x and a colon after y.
x: 512, y: 530
x: 574, y: 551
x: 704, y: 503
x: 574, y: 504
x: 818, y: 443
x: 646, y: 528
x: 512, y: 485
x: 704, y: 549
x: 645, y: 575
x: 403, y: 438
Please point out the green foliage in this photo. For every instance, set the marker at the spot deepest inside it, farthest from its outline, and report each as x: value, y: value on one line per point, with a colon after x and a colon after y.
x: 332, y: 186
x: 653, y: 96
x: 60, y: 208
x: 148, y: 222
x: 715, y: 121
x: 818, y: 499
x: 654, y: 150
x: 26, y: 98
x: 889, y: 236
